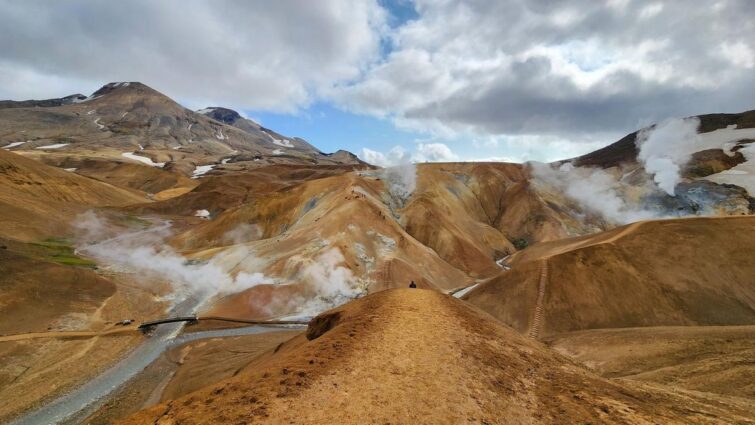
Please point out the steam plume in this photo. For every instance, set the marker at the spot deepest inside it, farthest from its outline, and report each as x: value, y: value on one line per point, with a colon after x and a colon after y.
x: 145, y: 252
x: 326, y: 282
x: 401, y: 180
x: 594, y: 189
x: 332, y: 283
x: 665, y: 149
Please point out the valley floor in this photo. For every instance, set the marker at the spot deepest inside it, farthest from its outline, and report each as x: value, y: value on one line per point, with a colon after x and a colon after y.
x: 712, y: 359
x: 187, y: 368
x: 35, y: 371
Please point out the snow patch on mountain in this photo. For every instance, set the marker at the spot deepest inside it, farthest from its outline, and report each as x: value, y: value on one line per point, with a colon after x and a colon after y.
x: 201, y: 170
x: 280, y: 142
x: 143, y: 159
x: 13, y: 145
x: 742, y: 175
x: 667, y: 147
x: 55, y: 146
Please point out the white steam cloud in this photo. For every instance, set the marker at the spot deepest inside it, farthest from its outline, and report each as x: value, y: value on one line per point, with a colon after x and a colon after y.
x: 665, y: 149
x: 401, y: 180
x: 399, y: 172
x: 595, y: 190
x: 332, y: 283
x: 242, y: 233
x: 325, y: 283
x: 146, y: 252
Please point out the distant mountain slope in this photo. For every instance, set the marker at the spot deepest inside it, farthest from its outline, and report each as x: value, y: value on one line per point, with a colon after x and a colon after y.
x: 625, y: 150
x: 42, y: 103
x: 130, y: 121
x: 231, y: 117
x: 470, y: 213
x: 702, y: 165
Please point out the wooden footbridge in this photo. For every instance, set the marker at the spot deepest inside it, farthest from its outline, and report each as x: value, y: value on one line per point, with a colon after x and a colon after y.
x: 148, y: 326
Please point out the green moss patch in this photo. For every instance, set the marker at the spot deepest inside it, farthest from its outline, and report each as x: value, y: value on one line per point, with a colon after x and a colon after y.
x: 61, y: 251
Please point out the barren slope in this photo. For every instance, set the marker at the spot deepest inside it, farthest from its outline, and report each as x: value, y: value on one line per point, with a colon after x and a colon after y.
x: 696, y: 271
x: 716, y: 359
x: 121, y: 173
x: 38, y: 201
x: 335, y: 229
x: 45, y: 287
x: 469, y: 213
x: 417, y: 356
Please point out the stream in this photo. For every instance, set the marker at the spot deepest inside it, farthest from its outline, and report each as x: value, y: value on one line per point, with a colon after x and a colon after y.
x: 84, y: 400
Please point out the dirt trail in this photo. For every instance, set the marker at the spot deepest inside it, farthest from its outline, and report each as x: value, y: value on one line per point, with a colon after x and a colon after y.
x: 627, y: 230
x: 418, y: 356
x: 67, y: 334
x: 550, y: 249
x: 538, y: 314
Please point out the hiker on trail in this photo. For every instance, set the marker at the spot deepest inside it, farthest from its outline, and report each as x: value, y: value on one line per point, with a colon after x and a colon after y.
x: 412, y: 285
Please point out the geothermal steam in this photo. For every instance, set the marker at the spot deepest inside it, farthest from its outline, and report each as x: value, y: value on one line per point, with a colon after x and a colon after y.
x: 335, y: 284
x: 401, y: 180
x: 146, y: 252
x: 327, y: 284
x: 665, y: 149
x: 593, y: 189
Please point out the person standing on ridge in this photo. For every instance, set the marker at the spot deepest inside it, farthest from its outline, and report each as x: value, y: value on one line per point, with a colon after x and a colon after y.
x: 412, y: 285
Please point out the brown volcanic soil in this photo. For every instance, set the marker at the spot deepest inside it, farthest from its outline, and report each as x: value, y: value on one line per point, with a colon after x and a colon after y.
x: 219, y: 193
x: 345, y: 213
x: 61, y: 298
x: 57, y: 329
x: 187, y: 368
x: 696, y: 271
x: 454, y: 228
x: 716, y: 359
x: 29, y: 303
x: 417, y: 356
x: 38, y: 201
x: 470, y: 212
x: 207, y: 362
x: 121, y: 173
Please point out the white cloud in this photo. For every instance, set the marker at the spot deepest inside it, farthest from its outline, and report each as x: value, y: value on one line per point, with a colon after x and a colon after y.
x: 542, y: 80
x: 397, y: 155
x: 739, y: 53
x: 423, y: 152
x: 434, y: 152
x: 651, y: 10
x: 576, y: 68
x: 248, y: 55
x: 495, y: 159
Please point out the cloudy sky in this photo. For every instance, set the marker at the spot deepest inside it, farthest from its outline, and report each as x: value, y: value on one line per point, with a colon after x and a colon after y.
x: 396, y: 80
